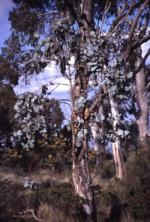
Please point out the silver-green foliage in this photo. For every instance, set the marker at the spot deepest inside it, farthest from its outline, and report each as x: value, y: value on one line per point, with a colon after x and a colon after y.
x: 30, y: 120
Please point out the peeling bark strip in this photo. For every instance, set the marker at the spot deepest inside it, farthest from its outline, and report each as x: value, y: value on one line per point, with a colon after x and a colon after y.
x: 142, y: 121
x: 82, y: 185
x: 117, y: 153
x: 82, y: 179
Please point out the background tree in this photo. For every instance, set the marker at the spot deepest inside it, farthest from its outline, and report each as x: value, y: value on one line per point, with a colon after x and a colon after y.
x: 7, y: 120
x: 9, y: 75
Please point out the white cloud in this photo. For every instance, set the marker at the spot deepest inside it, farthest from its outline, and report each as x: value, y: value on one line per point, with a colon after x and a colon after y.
x: 35, y: 82
x: 50, y: 74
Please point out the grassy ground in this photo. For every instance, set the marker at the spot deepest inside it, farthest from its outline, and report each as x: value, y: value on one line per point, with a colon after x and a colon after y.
x: 54, y: 200
x: 53, y: 195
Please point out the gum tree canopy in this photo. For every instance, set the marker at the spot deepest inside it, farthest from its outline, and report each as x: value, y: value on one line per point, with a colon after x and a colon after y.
x: 105, y: 38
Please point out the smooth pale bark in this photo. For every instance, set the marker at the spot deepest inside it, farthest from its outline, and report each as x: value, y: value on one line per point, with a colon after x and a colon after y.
x: 118, y: 159
x: 141, y: 97
x: 97, y: 133
x: 116, y: 147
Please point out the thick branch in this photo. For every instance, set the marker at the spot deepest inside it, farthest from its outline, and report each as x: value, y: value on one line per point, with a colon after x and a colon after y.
x: 138, y: 44
x: 97, y: 101
x: 142, y: 64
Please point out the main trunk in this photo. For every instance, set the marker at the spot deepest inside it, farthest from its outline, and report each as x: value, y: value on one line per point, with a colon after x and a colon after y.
x: 82, y: 185
x: 80, y: 169
x: 81, y: 177
x: 116, y: 147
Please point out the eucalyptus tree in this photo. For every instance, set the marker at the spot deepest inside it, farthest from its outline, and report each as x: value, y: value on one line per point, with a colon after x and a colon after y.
x: 102, y: 36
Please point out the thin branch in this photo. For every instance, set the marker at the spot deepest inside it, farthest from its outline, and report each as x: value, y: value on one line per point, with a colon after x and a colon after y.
x: 65, y: 102
x: 107, y: 7
x: 120, y: 19
x: 52, y: 90
x: 133, y: 27
x: 57, y: 85
x: 47, y: 13
x: 63, y: 84
x: 97, y: 101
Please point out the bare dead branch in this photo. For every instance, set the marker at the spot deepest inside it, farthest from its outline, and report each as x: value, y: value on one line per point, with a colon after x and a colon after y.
x: 34, y: 215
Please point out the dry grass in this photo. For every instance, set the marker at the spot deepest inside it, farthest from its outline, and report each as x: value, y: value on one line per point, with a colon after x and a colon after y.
x: 42, y: 176
x: 8, y: 175
x: 49, y: 213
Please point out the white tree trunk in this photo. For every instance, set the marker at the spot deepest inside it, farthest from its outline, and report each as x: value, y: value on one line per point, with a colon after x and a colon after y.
x: 141, y: 96
x: 118, y: 159
x: 116, y: 147
x: 97, y: 133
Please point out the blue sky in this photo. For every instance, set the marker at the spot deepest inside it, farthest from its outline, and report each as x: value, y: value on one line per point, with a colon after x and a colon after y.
x: 5, y: 6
